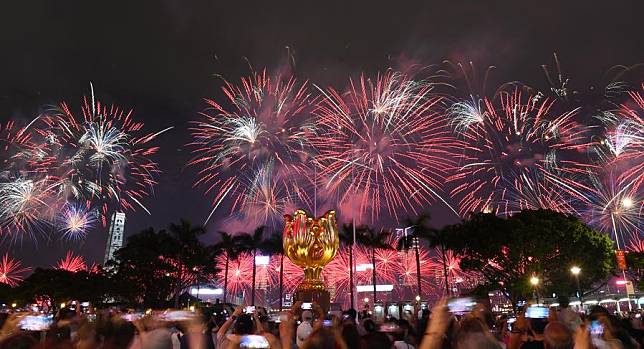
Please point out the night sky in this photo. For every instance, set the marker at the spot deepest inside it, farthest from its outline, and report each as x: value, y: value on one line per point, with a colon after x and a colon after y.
x: 162, y: 57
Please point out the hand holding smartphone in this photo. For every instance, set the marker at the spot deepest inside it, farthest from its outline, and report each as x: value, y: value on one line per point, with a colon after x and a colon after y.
x: 536, y: 312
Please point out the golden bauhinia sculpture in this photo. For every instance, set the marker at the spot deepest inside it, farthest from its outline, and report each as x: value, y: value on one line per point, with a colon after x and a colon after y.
x: 311, y: 244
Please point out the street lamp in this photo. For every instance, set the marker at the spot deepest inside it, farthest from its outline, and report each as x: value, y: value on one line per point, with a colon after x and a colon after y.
x: 534, y: 280
x: 575, y: 270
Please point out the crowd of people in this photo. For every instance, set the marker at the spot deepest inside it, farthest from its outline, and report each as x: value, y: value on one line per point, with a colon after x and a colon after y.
x: 440, y: 328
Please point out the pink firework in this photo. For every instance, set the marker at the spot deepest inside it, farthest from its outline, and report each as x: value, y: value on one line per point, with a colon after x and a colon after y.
x: 265, y: 125
x: 385, y: 142
x: 621, y: 146
x: 240, y: 274
x: 72, y: 263
x: 456, y: 276
x: 406, y: 271
x: 636, y: 245
x: 11, y: 271
x: 293, y: 274
x: 512, y: 136
x: 102, y: 157
x: 336, y: 273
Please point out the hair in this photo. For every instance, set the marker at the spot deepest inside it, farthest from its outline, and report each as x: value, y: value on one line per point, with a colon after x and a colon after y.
x: 18, y: 341
x: 377, y: 340
x: 475, y: 340
x: 369, y: 325
x: 352, y: 313
x: 244, y: 325
x: 324, y: 338
x: 350, y: 335
x: 557, y: 336
x: 563, y: 301
x: 538, y: 325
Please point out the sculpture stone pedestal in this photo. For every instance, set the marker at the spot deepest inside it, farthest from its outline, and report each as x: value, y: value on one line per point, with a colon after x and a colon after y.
x: 321, y: 297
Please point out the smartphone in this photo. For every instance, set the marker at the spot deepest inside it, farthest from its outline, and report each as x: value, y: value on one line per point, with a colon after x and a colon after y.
x: 461, y: 306
x: 596, y: 329
x: 536, y: 312
x: 36, y: 322
x: 327, y: 323
x: 178, y: 315
x: 254, y: 342
x: 131, y: 316
x: 307, y: 306
x: 249, y: 309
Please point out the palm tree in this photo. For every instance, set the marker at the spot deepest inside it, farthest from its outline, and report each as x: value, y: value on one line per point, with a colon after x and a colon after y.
x: 418, y: 227
x: 435, y: 238
x: 253, y: 242
x: 186, y: 237
x: 232, y: 247
x: 374, y: 240
x: 274, y: 245
x: 346, y: 236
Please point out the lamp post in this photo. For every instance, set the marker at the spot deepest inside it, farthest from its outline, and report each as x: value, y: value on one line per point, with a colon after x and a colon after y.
x: 534, y: 281
x: 575, y: 270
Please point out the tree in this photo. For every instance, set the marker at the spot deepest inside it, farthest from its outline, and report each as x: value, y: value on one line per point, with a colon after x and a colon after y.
x: 142, y: 275
x: 231, y: 246
x: 252, y: 243
x: 193, y: 260
x: 58, y: 285
x: 419, y: 229
x: 156, y: 267
x: 347, y: 237
x: 272, y: 246
x: 635, y: 263
x: 507, y: 252
x: 374, y: 240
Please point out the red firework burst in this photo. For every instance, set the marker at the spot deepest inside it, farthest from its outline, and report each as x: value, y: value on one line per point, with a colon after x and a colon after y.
x: 513, y: 136
x: 11, y: 271
x: 240, y: 274
x: 384, y: 142
x: 72, y: 263
x: 266, y: 128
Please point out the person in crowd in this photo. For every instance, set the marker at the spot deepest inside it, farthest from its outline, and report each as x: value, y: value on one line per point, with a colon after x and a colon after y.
x: 567, y: 316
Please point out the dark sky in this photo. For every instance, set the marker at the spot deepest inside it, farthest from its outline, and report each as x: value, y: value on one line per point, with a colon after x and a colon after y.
x: 161, y: 57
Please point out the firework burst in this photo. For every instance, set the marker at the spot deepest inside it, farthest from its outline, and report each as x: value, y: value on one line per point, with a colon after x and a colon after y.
x: 25, y: 205
x: 102, y: 157
x: 510, y: 140
x: 266, y: 126
x: 72, y: 263
x: 384, y: 141
x: 75, y: 221
x: 621, y: 145
x: 11, y: 271
x: 615, y: 208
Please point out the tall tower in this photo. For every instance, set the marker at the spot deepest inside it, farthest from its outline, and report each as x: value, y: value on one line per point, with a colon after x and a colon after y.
x: 115, y: 237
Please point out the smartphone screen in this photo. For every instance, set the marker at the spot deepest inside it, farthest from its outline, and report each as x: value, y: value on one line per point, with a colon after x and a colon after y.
x: 460, y: 306
x: 327, y: 323
x: 178, y: 315
x: 132, y: 316
x: 36, y: 322
x: 307, y: 305
x: 254, y: 342
x: 536, y: 312
x: 596, y: 329
x: 249, y: 309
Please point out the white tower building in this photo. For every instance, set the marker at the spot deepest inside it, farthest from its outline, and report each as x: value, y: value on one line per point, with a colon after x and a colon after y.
x: 115, y: 237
